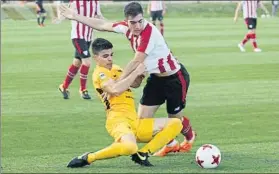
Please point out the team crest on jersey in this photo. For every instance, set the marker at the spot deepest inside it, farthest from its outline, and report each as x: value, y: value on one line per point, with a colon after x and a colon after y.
x: 102, y: 75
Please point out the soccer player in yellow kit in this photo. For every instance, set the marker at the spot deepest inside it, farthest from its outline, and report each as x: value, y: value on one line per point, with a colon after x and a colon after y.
x: 122, y: 122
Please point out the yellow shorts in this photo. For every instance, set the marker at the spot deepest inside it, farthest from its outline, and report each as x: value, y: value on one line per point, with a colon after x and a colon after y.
x: 123, y: 123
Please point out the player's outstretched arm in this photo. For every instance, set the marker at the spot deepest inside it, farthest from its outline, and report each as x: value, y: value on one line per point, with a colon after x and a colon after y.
x: 116, y: 88
x: 236, y: 11
x: 95, y: 23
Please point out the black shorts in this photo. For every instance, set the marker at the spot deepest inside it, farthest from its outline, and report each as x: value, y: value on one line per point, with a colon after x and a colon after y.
x: 251, y: 23
x: 172, y: 89
x: 82, y: 48
x: 156, y: 15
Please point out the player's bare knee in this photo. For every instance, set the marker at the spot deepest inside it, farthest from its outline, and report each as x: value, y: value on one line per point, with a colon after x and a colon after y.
x: 86, y: 62
x: 77, y: 62
x: 146, y: 111
x: 129, y: 148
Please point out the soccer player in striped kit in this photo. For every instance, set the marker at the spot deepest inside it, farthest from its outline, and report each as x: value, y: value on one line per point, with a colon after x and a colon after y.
x: 249, y: 8
x: 81, y: 36
x: 157, y: 10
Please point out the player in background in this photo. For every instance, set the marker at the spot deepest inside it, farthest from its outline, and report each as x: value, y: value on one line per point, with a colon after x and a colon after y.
x: 250, y: 16
x: 275, y: 4
x: 157, y: 11
x: 122, y: 122
x: 168, y: 81
x: 41, y: 13
x: 81, y: 36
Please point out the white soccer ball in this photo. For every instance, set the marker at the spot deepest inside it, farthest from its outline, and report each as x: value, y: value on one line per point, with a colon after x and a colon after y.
x: 263, y: 16
x: 208, y: 156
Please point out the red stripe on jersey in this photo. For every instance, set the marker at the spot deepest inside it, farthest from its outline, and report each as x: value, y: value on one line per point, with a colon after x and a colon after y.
x: 171, y: 63
x: 145, y: 36
x: 120, y: 23
x: 96, y: 7
x: 90, y: 15
x: 84, y: 14
x: 78, y: 9
x: 128, y: 33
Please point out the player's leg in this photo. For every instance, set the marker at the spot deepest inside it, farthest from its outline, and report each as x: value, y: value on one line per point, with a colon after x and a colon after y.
x: 153, y: 17
x: 176, y: 91
x: 43, y: 17
x: 157, y: 132
x: 160, y: 18
x: 72, y: 71
x: 85, y: 66
x: 125, y: 143
x: 253, y: 25
x: 39, y: 18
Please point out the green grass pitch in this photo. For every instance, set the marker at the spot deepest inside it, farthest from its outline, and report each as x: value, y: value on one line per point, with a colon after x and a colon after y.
x: 233, y: 100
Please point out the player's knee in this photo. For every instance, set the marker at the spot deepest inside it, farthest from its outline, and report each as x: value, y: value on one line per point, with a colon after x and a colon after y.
x: 86, y: 61
x: 129, y: 148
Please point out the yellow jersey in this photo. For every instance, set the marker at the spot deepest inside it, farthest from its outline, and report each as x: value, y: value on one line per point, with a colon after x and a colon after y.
x: 124, y: 102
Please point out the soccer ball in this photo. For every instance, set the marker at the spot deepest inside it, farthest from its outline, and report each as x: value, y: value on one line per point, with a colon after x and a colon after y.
x: 208, y: 156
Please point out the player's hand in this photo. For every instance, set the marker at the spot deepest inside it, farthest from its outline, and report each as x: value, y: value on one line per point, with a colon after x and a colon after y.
x: 140, y: 69
x: 67, y: 12
x: 164, y: 12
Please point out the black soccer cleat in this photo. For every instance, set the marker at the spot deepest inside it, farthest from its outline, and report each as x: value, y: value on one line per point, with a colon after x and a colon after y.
x: 79, y: 161
x: 141, y: 159
x: 64, y: 92
x: 84, y: 94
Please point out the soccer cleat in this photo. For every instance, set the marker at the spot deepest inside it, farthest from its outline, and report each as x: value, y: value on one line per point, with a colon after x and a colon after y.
x: 84, y: 94
x: 65, y: 92
x: 187, y: 145
x: 166, y: 149
x: 141, y: 159
x: 240, y: 46
x: 257, y: 50
x: 42, y: 25
x: 79, y: 161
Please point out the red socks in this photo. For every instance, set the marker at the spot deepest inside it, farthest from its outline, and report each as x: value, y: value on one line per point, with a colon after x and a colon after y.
x: 83, y: 76
x: 72, y: 71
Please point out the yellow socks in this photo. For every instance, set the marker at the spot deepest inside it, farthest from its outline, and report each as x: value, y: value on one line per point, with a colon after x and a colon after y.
x: 171, y: 130
x: 114, y: 150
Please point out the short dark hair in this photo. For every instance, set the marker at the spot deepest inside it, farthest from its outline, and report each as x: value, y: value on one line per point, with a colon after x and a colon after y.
x: 101, y: 44
x: 133, y: 9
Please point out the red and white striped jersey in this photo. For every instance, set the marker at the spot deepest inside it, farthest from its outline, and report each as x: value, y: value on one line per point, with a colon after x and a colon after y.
x: 249, y: 8
x: 159, y: 58
x: 89, y: 8
x: 156, y: 5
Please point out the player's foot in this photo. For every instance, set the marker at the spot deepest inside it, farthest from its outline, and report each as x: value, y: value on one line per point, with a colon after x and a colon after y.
x: 79, y: 161
x: 42, y: 25
x: 65, y: 92
x: 241, y: 47
x: 257, y: 50
x: 141, y: 159
x: 84, y: 94
x: 187, y: 145
x: 167, y: 149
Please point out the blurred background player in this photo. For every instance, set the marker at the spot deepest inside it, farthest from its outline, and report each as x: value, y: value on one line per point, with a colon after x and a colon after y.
x: 41, y: 13
x: 275, y: 4
x: 81, y: 36
x: 250, y: 16
x: 122, y: 122
x: 157, y: 10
